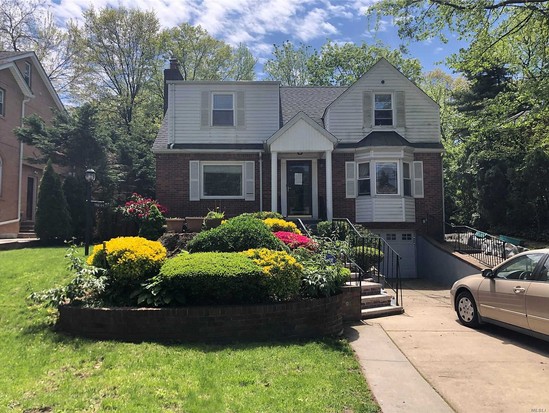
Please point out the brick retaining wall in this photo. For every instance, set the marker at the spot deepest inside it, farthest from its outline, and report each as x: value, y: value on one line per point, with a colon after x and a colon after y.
x: 279, y: 321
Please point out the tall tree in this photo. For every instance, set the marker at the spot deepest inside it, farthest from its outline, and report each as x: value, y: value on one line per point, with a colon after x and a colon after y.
x: 243, y: 64
x: 201, y: 57
x: 118, y: 52
x: 342, y: 65
x: 289, y: 64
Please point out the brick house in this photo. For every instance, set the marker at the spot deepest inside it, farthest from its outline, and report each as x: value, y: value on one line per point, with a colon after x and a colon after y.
x: 370, y: 152
x: 24, y: 89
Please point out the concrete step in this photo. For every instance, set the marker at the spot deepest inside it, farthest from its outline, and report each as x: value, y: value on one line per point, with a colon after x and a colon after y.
x: 375, y: 300
x: 370, y: 288
x: 26, y: 234
x: 368, y: 313
x: 354, y: 277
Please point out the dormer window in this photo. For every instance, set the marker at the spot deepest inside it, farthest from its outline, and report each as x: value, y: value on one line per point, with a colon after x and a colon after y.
x: 27, y: 74
x: 383, y: 109
x: 223, y: 109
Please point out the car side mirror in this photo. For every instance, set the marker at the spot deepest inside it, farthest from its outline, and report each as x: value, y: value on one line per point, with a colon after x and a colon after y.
x: 488, y: 273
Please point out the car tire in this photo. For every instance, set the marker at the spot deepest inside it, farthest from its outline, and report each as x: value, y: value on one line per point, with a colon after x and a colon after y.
x: 466, y: 309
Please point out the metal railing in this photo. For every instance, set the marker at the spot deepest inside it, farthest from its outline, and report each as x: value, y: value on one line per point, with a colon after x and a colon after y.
x: 488, y: 249
x: 368, y: 255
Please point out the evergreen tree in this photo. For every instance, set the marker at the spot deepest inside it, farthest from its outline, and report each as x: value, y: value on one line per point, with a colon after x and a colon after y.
x: 52, y: 215
x: 74, y: 190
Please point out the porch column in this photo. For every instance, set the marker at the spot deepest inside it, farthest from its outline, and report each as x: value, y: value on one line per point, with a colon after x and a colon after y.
x: 329, y: 206
x: 274, y: 181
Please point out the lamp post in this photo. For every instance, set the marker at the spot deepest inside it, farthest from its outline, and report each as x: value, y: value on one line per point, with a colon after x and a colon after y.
x: 90, y: 177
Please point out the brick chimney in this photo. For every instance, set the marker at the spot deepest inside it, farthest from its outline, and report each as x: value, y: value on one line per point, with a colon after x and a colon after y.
x: 172, y: 73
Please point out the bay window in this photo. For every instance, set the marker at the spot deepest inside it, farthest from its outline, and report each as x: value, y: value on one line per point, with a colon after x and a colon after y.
x: 364, y: 187
x: 386, y: 178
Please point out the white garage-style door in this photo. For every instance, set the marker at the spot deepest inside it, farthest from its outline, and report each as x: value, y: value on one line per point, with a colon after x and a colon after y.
x: 404, y: 243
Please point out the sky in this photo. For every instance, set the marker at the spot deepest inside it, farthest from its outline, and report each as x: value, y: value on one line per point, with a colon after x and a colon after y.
x: 260, y: 24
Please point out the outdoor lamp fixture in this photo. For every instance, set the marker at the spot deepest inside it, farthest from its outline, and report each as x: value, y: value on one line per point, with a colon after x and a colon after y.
x: 90, y: 177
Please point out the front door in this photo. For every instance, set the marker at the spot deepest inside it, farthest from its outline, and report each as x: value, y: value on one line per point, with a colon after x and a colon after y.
x: 300, y: 188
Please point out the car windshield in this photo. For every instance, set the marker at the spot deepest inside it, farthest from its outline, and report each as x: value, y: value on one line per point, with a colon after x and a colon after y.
x: 519, y: 268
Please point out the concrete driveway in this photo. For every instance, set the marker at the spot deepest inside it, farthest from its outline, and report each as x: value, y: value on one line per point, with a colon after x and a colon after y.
x: 486, y: 370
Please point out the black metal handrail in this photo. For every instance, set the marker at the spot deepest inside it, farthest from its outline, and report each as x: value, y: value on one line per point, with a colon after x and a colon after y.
x: 485, y: 248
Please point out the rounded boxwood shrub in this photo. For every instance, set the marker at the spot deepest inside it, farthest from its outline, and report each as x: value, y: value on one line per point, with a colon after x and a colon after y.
x: 262, y: 215
x: 366, y: 257
x: 207, y: 278
x: 283, y: 272
x: 129, y: 261
x: 276, y: 225
x: 237, y: 234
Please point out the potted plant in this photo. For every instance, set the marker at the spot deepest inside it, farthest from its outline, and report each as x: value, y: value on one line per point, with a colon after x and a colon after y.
x: 174, y: 224
x: 213, y: 218
x: 194, y: 224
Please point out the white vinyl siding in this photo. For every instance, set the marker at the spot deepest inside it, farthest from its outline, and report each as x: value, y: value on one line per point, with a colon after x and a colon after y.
x: 417, y: 116
x: 383, y: 209
x: 256, y: 113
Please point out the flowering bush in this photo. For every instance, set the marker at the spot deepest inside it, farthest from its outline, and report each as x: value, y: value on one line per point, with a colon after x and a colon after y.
x: 276, y: 224
x: 282, y: 270
x: 294, y: 241
x: 132, y: 258
x: 138, y: 207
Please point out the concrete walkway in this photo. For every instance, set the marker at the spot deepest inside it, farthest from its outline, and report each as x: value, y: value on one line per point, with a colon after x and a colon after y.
x: 425, y: 361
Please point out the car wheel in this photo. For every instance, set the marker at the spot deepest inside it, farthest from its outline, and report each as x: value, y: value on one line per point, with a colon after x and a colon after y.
x: 466, y: 309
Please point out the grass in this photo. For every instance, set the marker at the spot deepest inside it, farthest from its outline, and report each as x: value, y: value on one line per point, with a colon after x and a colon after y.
x: 42, y: 371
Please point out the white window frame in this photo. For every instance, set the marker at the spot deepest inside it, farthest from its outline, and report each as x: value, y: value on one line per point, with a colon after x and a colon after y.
x: 233, y: 110
x: 2, y: 102
x: 222, y: 163
x: 374, y: 94
x: 398, y: 172
x: 27, y: 75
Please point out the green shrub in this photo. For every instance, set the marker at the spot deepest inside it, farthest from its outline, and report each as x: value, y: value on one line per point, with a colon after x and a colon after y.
x: 332, y: 229
x: 235, y: 235
x: 262, y: 215
x: 283, y: 272
x: 129, y: 262
x: 207, y: 278
x: 366, y: 257
x: 152, y: 226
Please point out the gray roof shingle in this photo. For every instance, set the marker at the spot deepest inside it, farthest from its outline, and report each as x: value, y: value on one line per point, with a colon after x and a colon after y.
x: 312, y: 100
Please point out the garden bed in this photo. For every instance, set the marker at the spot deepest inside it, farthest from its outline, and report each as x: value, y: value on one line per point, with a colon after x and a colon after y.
x: 277, y: 321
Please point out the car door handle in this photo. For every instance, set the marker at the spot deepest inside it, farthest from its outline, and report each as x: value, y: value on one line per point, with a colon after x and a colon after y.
x: 519, y: 290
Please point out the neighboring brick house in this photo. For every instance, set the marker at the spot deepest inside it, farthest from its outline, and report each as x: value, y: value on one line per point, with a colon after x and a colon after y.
x: 24, y: 89
x: 370, y: 152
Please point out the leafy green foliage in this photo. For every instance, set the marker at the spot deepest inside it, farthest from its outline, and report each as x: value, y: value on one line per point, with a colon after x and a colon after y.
x: 262, y: 215
x: 289, y: 64
x: 85, y: 289
x: 206, y: 278
x: 52, y: 215
x: 334, y: 230
x: 152, y: 227
x: 366, y: 257
x: 237, y: 234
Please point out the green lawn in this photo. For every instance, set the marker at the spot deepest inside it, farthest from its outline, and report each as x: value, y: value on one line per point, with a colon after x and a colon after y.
x: 42, y: 371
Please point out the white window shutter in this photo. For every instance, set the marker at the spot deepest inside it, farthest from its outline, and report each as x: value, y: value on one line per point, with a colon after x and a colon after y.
x: 367, y: 110
x: 418, y: 179
x: 400, y: 107
x: 205, y: 109
x: 249, y: 181
x: 194, y: 180
x: 350, y: 180
x: 240, y: 112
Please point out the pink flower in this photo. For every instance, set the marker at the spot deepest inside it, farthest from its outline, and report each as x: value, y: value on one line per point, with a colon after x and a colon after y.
x: 294, y: 240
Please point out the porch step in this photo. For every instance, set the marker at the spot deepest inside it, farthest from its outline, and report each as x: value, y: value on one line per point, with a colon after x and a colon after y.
x: 381, y: 311
x: 375, y: 301
x: 26, y: 230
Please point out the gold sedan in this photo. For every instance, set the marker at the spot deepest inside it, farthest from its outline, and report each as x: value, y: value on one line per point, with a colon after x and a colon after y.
x: 514, y: 294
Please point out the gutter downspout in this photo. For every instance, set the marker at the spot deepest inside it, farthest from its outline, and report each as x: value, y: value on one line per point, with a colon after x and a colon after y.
x: 260, y: 181
x: 19, y: 203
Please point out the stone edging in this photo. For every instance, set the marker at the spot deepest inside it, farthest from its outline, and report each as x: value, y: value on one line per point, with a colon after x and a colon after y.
x: 277, y: 321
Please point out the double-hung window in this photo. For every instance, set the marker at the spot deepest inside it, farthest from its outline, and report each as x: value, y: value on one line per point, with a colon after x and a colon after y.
x: 222, y: 180
x: 2, y: 102
x: 383, y: 109
x: 364, y: 187
x: 223, y: 109
x: 386, y: 178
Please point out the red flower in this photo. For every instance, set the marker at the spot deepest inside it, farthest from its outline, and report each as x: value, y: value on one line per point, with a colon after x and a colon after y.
x: 293, y: 240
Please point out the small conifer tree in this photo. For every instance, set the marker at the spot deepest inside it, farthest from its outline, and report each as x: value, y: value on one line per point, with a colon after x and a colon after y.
x: 152, y: 226
x: 52, y: 214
